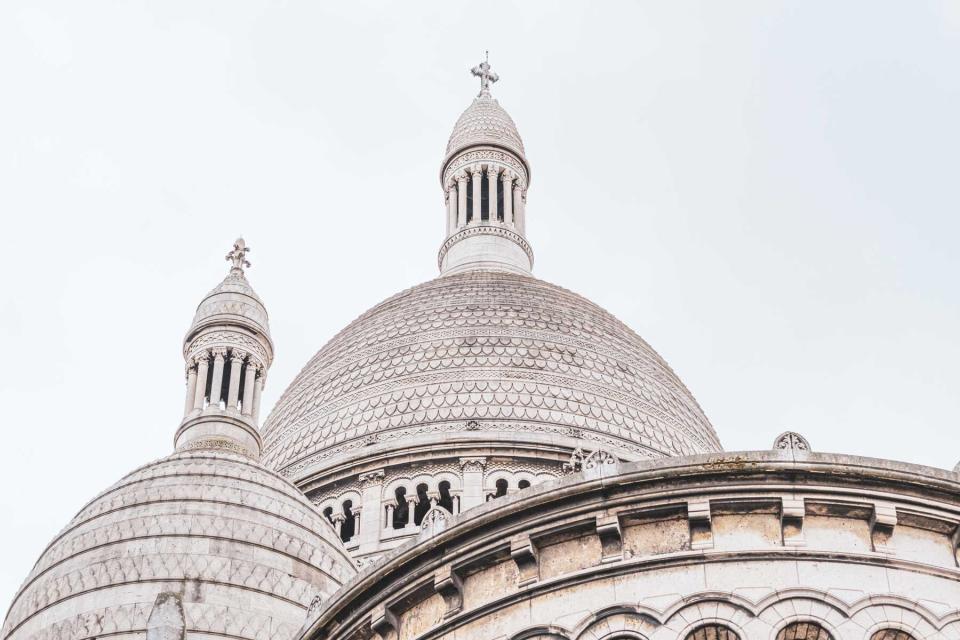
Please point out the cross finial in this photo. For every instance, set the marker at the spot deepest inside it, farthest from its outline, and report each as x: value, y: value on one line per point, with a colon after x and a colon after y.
x: 238, y: 257
x: 487, y: 77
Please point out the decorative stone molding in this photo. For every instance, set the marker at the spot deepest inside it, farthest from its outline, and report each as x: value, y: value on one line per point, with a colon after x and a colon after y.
x: 524, y: 554
x: 791, y: 440
x: 611, y: 538
x: 493, y: 229
x: 224, y: 444
x: 383, y: 622
x: 465, y: 159
x: 882, y: 523
x: 473, y: 464
x: 227, y: 339
x: 435, y: 520
x: 701, y: 526
x: 371, y: 478
x: 449, y: 585
x: 792, y: 512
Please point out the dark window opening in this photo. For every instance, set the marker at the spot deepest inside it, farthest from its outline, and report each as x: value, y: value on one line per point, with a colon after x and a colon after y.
x: 523, y: 484
x: 712, y: 632
x: 401, y: 514
x: 423, y: 504
x: 803, y: 631
x: 243, y: 385
x: 501, y: 488
x: 500, y: 200
x: 346, y: 529
x: 446, y: 500
x: 469, y: 203
x: 484, y: 198
x: 208, y: 383
x: 328, y: 514
x: 225, y: 382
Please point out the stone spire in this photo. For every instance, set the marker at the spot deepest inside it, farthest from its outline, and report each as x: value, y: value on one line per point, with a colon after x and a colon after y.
x: 228, y: 351
x: 484, y: 176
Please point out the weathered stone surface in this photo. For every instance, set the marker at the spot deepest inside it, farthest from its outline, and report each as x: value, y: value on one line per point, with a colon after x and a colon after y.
x: 209, y: 535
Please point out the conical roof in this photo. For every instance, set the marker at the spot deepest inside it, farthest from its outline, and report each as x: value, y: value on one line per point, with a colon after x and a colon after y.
x: 233, y: 300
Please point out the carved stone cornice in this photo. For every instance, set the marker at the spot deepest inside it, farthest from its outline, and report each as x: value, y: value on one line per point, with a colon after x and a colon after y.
x: 371, y: 478
x: 484, y: 230
x: 473, y: 464
x: 473, y: 155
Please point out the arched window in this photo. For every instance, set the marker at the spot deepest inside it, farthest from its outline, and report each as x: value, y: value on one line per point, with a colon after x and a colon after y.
x: 346, y: 529
x: 501, y: 488
x: 401, y: 513
x: 803, y: 631
x: 891, y: 634
x: 712, y: 632
x: 423, y: 504
x: 446, y: 500
x: 328, y: 512
x: 523, y: 484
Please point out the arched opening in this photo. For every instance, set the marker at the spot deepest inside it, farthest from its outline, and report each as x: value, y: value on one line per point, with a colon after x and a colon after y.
x: 446, y: 500
x: 423, y: 504
x: 328, y: 514
x: 484, y: 197
x: 500, y: 200
x: 501, y: 488
x: 523, y: 484
x: 891, y: 634
x: 401, y: 514
x: 804, y: 631
x: 470, y: 211
x: 712, y: 632
x: 346, y: 529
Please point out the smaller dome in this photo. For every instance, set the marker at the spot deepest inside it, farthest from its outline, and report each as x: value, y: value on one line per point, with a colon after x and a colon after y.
x: 485, y: 122
x: 239, y: 550
x: 232, y: 301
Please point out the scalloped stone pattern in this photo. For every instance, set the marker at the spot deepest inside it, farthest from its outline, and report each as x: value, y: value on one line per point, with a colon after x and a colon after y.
x: 245, y: 551
x: 484, y: 351
x: 485, y: 122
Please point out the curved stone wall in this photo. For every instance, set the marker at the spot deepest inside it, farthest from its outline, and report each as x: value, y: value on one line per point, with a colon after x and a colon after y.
x: 204, y: 543
x: 762, y: 545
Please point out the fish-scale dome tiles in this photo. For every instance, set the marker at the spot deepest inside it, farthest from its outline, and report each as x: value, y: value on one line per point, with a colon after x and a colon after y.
x: 482, y: 352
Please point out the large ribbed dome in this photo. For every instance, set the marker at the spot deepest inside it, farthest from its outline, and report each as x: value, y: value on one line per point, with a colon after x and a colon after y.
x: 485, y: 122
x: 211, y: 535
x: 480, y: 352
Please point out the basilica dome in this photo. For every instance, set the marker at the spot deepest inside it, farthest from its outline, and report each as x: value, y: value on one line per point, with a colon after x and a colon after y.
x: 202, y: 542
x: 484, y: 354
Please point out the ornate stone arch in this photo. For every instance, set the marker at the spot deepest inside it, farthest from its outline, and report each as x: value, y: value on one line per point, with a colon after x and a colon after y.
x: 542, y: 632
x: 617, y: 621
x: 815, y: 628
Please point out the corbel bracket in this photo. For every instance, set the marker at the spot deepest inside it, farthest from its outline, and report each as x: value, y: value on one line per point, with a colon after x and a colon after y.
x: 524, y: 553
x: 449, y: 585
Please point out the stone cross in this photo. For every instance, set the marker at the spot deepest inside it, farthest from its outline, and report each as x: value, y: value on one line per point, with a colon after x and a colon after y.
x: 238, y: 257
x: 487, y: 77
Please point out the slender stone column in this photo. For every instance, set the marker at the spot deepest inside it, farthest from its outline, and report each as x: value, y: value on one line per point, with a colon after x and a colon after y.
x: 257, y: 390
x: 518, y: 208
x: 338, y: 519
x: 203, y: 365
x: 236, y: 364
x: 461, y: 200
x: 248, y: 381
x: 191, y: 389
x: 477, y: 176
x: 451, y: 214
x: 507, y: 178
x: 492, y: 192
x: 218, y: 356
x: 391, y: 506
x: 411, y: 510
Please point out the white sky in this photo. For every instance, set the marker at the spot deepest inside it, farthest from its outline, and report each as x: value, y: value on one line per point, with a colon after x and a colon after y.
x: 767, y: 192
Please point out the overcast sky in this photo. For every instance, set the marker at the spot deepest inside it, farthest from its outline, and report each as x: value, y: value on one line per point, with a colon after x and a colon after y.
x: 767, y: 192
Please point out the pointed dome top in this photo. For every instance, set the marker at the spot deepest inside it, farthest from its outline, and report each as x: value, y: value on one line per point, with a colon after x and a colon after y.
x: 485, y: 121
x: 233, y: 301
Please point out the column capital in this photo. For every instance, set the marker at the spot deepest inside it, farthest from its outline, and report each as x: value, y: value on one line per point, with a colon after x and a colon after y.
x: 461, y: 176
x: 507, y: 176
x: 202, y: 357
x: 219, y: 352
x: 238, y: 355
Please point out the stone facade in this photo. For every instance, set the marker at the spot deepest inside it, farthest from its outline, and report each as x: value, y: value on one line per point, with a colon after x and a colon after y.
x: 752, y: 544
x: 504, y: 460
